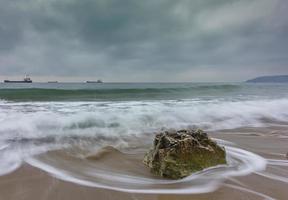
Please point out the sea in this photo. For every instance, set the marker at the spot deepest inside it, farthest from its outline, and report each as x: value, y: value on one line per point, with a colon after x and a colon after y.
x: 122, y: 108
x: 40, y: 121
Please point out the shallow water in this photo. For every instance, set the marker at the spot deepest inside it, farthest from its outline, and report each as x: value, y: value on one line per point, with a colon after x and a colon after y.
x: 125, y: 172
x: 55, y: 127
x: 83, y: 161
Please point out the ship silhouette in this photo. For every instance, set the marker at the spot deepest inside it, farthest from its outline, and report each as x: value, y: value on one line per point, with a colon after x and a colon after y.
x: 27, y: 79
x: 98, y: 81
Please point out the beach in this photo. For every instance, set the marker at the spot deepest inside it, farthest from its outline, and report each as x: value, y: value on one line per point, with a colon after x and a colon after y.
x: 28, y: 182
x: 143, y: 100
x: 90, y: 144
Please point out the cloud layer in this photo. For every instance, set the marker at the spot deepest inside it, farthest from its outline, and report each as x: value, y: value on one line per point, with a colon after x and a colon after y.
x: 128, y: 40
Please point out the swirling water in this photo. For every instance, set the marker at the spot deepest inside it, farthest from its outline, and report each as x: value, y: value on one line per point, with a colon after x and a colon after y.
x: 47, y: 124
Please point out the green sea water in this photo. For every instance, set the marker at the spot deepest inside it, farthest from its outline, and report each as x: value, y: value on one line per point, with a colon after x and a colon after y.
x: 137, y: 91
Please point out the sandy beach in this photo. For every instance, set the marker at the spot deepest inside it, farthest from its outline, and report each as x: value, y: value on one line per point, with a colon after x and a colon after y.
x: 31, y: 183
x: 143, y: 100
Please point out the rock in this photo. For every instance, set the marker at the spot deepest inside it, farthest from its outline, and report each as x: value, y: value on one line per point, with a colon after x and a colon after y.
x: 177, y: 154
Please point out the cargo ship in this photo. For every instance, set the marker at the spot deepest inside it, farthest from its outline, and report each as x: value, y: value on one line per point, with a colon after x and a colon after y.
x: 98, y: 81
x: 25, y: 80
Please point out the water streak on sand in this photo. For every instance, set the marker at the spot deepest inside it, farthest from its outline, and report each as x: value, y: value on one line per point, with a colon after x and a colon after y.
x: 241, y: 163
x: 246, y: 190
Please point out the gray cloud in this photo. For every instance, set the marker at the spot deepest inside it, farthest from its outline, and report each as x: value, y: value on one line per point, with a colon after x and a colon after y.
x: 130, y: 40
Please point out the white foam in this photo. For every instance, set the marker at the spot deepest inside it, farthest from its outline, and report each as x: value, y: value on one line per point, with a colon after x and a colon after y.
x: 241, y: 163
x: 10, y: 161
x: 274, y: 177
x: 278, y: 162
x: 22, y: 120
x: 61, y: 174
x: 126, y: 118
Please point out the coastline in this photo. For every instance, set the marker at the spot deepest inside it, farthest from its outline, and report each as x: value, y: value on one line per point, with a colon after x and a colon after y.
x: 31, y: 183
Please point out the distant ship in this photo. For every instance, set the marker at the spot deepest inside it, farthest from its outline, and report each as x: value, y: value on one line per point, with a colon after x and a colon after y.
x: 98, y: 81
x: 25, y: 80
x: 52, y: 81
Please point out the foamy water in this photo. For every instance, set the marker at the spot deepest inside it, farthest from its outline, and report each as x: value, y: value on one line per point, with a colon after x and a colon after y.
x: 31, y: 126
x: 38, y: 119
x: 240, y: 163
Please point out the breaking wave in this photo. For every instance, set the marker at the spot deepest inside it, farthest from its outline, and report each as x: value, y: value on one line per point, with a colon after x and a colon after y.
x: 55, y: 137
x: 49, y: 119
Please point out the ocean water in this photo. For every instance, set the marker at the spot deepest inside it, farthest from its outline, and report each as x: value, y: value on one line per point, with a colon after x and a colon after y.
x: 41, y: 109
x: 42, y: 117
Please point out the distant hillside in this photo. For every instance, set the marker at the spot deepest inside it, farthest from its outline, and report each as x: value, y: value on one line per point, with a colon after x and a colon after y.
x: 270, y: 79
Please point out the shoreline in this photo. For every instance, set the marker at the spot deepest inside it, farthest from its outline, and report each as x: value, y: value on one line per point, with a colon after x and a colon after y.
x: 31, y: 183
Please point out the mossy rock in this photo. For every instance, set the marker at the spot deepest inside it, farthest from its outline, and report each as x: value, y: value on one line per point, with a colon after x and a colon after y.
x: 177, y: 154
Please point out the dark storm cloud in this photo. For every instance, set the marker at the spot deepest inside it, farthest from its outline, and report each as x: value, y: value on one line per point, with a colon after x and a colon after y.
x: 150, y: 40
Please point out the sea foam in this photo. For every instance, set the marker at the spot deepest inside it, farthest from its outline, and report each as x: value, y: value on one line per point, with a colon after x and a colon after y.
x: 41, y: 119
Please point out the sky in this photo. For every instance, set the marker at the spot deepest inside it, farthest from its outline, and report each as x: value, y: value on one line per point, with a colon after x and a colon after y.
x: 142, y: 41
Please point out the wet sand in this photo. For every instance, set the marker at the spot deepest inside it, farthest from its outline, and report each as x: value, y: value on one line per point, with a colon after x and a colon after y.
x: 30, y: 183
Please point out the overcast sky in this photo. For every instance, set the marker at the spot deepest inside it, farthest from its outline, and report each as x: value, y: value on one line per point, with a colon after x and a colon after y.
x: 143, y: 40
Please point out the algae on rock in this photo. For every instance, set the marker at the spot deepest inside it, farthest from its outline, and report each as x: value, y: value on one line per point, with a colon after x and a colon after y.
x: 177, y: 154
